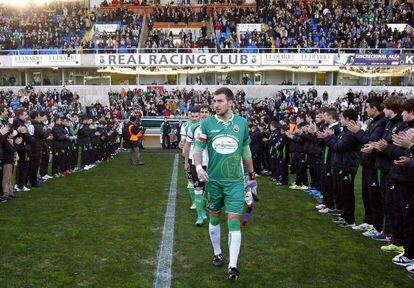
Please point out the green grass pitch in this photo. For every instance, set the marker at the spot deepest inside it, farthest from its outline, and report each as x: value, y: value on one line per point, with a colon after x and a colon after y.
x: 103, y: 227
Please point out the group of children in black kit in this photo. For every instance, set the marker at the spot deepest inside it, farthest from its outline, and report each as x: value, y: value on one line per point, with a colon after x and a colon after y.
x: 330, y: 145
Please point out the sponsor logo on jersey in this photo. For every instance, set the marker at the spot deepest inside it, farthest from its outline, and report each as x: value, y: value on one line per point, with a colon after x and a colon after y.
x: 225, y: 145
x: 236, y: 128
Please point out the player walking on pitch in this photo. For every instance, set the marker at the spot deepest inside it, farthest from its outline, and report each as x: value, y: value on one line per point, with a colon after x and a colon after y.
x: 226, y: 137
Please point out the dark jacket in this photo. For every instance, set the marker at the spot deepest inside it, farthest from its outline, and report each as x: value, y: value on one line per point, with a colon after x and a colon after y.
x: 59, y: 136
x: 299, y: 141
x: 345, y: 148
x: 383, y: 161
x: 400, y: 174
x: 9, y: 151
x: 84, y: 135
x: 327, y: 151
x: 39, y: 137
x: 256, y: 144
x: 27, y: 138
x: 373, y: 133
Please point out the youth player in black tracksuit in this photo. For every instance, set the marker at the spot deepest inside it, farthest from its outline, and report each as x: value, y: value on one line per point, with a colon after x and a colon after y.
x: 273, y: 139
x: 314, y: 151
x: 371, y: 186
x: 299, y: 154
x: 402, y: 181
x: 23, y: 150
x: 329, y: 185
x: 345, y: 161
x: 383, y: 162
x: 84, y: 138
x: 44, y: 163
x: 58, y: 145
x: 405, y: 167
x: 282, y: 156
x: 39, y: 136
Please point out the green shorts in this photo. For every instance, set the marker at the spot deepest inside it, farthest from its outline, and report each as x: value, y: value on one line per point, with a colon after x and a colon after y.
x: 228, y: 194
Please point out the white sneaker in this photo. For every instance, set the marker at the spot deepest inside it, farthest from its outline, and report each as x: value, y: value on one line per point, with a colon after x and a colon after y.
x: 362, y: 227
x: 324, y: 211
x: 193, y: 207
x: 401, y: 260
x: 87, y: 167
x: 17, y: 189
x: 371, y: 233
x: 25, y: 189
x: 410, y: 268
x: 320, y: 206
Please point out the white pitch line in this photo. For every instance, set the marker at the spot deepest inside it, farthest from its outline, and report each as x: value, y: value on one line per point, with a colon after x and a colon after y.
x: 165, y: 252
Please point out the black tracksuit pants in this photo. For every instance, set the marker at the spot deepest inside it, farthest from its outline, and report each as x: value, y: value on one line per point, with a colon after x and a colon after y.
x: 327, y: 186
x: 315, y: 162
x: 301, y: 168
x: 44, y: 162
x: 22, y: 170
x: 35, y: 160
x: 372, y: 198
x: 409, y: 226
x: 346, y: 180
x: 402, y: 196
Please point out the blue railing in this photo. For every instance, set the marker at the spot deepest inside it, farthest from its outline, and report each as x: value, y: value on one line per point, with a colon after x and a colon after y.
x: 255, y: 49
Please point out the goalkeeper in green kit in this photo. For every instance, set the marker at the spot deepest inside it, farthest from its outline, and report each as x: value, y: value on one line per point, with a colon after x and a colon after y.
x: 226, y: 137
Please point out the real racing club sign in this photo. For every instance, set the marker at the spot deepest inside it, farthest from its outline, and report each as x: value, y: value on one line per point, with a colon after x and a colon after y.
x: 177, y: 59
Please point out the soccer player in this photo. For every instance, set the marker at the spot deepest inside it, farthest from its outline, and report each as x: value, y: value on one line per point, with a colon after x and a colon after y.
x: 226, y: 137
x: 193, y: 133
x: 183, y: 133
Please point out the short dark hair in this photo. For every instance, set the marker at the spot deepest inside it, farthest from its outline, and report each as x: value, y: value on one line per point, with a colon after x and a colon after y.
x: 332, y: 112
x: 311, y: 114
x: 301, y: 116
x: 205, y: 106
x: 350, y: 114
x: 133, y: 118
x: 375, y: 102
x: 393, y: 103
x: 20, y: 112
x: 408, y: 105
x: 322, y: 109
x: 196, y: 109
x: 34, y: 114
x: 226, y: 91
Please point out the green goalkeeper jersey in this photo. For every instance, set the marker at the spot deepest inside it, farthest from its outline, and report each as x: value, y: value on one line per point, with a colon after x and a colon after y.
x: 224, y: 142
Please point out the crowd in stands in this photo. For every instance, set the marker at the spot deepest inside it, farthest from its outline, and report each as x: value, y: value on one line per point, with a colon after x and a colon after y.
x: 38, y: 126
x: 225, y: 28
x: 125, y: 38
x: 286, y: 24
x: 58, y: 25
x: 106, y: 3
x: 327, y: 24
x: 177, y: 14
x: 162, y: 41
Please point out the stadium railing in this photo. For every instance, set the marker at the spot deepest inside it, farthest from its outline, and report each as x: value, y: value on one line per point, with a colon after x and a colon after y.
x: 125, y: 50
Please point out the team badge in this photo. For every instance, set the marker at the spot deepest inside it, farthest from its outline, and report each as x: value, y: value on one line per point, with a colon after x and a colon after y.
x: 236, y: 128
